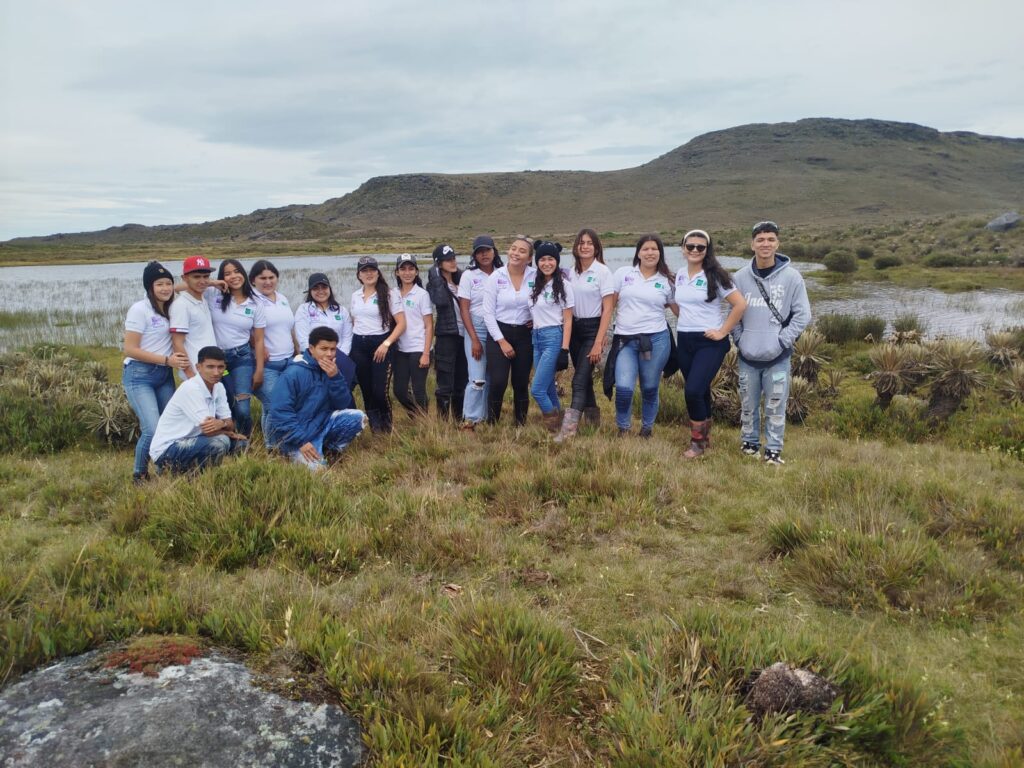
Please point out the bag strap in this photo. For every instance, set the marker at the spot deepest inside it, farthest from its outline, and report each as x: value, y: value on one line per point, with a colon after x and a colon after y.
x: 764, y: 293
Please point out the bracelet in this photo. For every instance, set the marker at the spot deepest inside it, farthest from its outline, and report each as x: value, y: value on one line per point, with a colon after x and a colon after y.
x: 386, y: 343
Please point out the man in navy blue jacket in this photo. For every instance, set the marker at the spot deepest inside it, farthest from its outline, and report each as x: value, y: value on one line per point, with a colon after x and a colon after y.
x: 309, y: 411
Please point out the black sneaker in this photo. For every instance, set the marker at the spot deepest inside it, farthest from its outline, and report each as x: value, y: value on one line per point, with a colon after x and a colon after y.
x: 646, y: 432
x: 750, y: 449
x: 773, y: 457
x: 623, y: 431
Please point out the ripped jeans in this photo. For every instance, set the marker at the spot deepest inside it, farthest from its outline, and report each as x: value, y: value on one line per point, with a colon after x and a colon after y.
x: 772, y: 382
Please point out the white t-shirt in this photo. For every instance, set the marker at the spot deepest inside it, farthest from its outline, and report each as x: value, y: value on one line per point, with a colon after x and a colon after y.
x: 471, y: 287
x: 417, y: 305
x: 233, y: 327
x: 155, y: 330
x: 191, y: 404
x: 503, y: 303
x: 366, y: 316
x: 642, y: 301
x: 191, y: 316
x: 590, y: 288
x: 277, y: 338
x: 547, y: 312
x: 695, y: 312
x: 309, y: 316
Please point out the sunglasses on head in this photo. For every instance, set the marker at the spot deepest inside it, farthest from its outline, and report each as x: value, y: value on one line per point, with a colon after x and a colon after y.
x: 765, y: 226
x: 698, y: 247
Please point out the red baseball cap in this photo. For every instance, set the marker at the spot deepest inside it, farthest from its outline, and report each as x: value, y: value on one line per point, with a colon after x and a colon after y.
x: 196, y: 264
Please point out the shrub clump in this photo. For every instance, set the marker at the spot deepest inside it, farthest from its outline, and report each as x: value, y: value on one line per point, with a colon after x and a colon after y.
x: 842, y: 261
x: 887, y: 262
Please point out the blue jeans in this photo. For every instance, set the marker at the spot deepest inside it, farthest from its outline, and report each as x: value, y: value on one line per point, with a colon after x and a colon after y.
x: 196, y: 453
x: 628, y: 367
x: 547, y: 343
x: 272, y: 371
x: 342, y: 428
x: 773, y: 383
x: 241, y: 365
x: 149, y: 388
x: 474, y: 407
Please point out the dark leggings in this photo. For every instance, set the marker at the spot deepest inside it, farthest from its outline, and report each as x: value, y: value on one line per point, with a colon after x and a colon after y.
x: 408, y: 372
x: 499, y: 367
x: 373, y: 380
x: 452, y: 375
x: 699, y: 361
x: 584, y: 333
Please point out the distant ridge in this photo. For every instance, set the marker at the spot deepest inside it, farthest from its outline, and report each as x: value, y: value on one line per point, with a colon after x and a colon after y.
x: 817, y: 170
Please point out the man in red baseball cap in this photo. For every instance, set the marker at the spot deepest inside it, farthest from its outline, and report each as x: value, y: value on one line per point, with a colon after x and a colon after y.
x: 190, y: 321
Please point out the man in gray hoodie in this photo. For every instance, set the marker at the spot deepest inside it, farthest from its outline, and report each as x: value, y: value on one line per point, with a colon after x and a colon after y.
x: 777, y: 313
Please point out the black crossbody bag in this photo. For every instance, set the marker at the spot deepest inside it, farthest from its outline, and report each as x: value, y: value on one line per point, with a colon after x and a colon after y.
x: 778, y: 315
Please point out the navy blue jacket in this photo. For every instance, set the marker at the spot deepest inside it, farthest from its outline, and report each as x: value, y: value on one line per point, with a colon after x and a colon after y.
x: 302, y: 401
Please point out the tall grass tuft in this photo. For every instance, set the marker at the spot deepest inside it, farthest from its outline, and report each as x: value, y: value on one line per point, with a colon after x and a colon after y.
x: 955, y: 368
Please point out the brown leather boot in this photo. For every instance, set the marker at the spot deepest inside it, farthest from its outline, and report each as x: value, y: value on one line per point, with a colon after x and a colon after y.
x: 570, y: 423
x: 698, y: 439
x: 552, y: 421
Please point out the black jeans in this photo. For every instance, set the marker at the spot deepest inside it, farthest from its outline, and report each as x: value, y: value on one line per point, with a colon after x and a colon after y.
x: 699, y: 361
x: 452, y: 375
x: 373, y: 378
x: 584, y: 333
x: 499, y: 367
x: 408, y: 372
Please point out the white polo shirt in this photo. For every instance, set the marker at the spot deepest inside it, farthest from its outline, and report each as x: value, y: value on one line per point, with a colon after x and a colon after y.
x: 471, y: 287
x: 590, y: 288
x: 191, y: 404
x: 366, y: 316
x: 191, y: 316
x: 503, y: 303
x: 277, y: 337
x: 547, y: 311
x: 309, y: 316
x: 154, y: 328
x: 233, y: 327
x: 641, y: 302
x: 695, y: 312
x: 417, y: 305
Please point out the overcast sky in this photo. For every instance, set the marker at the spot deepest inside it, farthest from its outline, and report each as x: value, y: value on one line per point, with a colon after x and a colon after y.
x: 170, y: 112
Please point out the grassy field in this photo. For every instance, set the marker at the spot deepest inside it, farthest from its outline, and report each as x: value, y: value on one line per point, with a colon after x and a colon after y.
x: 494, y: 599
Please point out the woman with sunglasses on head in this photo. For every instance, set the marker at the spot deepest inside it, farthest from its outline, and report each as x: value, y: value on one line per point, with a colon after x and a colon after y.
x: 593, y: 288
x: 149, y: 358
x: 378, y: 320
x: 238, y: 326
x: 703, y: 289
x: 279, y: 343
x: 411, y: 360
x: 642, y: 342
x: 506, y: 311
x: 482, y: 263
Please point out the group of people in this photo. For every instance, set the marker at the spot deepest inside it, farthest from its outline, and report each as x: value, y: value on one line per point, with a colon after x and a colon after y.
x: 482, y: 328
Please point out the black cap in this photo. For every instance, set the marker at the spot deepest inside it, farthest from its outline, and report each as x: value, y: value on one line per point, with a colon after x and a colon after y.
x: 153, y: 272
x: 484, y: 241
x: 546, y: 248
x: 366, y: 262
x: 318, y: 278
x: 406, y: 258
x: 444, y: 252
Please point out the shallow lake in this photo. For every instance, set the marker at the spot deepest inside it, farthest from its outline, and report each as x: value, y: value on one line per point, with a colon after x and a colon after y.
x: 86, y: 304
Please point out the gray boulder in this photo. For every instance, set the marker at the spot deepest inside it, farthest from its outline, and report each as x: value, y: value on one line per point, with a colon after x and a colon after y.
x: 782, y: 688
x: 1002, y: 223
x: 207, y: 713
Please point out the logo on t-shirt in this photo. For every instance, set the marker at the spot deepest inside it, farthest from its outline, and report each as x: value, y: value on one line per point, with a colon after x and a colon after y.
x: 373, y: 300
x: 248, y: 311
x: 410, y: 303
x: 590, y: 278
x: 156, y: 321
x: 627, y: 279
x: 338, y: 318
x: 700, y: 282
x: 529, y: 283
x: 502, y: 282
x: 658, y: 285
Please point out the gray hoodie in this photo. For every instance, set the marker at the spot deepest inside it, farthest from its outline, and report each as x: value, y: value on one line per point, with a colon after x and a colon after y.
x: 760, y: 338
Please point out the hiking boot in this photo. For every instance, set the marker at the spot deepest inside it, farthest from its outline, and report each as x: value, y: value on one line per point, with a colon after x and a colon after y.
x: 646, y: 432
x: 773, y: 457
x: 570, y: 423
x: 468, y: 426
x: 623, y: 431
x: 750, y: 449
x: 698, y: 439
x: 552, y: 420
x: 140, y: 479
x: 592, y: 416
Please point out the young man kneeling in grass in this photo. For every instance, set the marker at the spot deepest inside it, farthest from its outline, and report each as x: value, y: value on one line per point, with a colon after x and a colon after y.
x: 308, y: 407
x: 195, y: 428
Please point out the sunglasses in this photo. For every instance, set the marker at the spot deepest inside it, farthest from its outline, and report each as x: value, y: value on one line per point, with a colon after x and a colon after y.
x: 698, y: 247
x: 765, y: 226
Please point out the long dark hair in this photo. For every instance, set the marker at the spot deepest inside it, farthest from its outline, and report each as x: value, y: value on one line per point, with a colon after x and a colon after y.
x: 225, y: 297
x: 332, y: 303
x: 163, y: 311
x: 383, y: 299
x: 557, y: 284
x: 716, y: 274
x: 598, y: 248
x: 662, y: 267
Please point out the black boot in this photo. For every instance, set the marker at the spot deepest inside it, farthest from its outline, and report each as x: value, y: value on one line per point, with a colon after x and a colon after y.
x: 444, y: 408
x: 521, y: 406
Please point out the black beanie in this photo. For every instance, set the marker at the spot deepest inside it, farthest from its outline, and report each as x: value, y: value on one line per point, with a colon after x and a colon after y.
x: 153, y: 272
x: 546, y: 248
